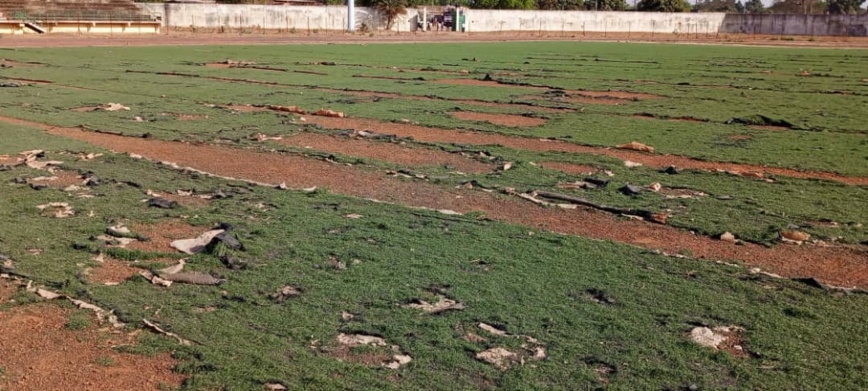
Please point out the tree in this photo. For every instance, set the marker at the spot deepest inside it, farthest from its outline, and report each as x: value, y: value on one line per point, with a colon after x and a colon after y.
x: 390, y: 9
x: 504, y: 4
x: 563, y: 5
x: 605, y: 5
x: 739, y: 7
x: 663, y: 6
x: 798, y: 7
x: 754, y: 7
x: 845, y: 6
x: 729, y: 6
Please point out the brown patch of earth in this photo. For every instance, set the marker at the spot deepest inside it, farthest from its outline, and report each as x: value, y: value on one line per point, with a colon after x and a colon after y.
x: 7, y: 63
x: 39, y: 353
x: 244, y: 108
x: 770, y: 127
x: 386, y: 152
x: 7, y: 290
x: 61, y: 179
x: 365, y: 355
x: 570, y: 168
x: 162, y: 234
x: 112, y: 271
x: 485, y: 83
x: 499, y: 119
x: 836, y: 265
x: 439, y: 135
x: 739, y: 137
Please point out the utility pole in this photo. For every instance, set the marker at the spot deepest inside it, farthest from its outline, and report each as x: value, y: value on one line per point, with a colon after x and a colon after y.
x: 351, y: 15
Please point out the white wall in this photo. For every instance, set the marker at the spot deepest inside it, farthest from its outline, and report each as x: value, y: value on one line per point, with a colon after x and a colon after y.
x: 316, y: 18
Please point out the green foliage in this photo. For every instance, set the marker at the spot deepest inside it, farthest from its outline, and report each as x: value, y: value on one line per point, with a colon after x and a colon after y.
x: 606, y: 5
x: 729, y: 6
x: 663, y: 6
x: 754, y: 7
x: 845, y: 6
x: 504, y: 4
x: 566, y: 5
x: 798, y: 7
x: 390, y: 9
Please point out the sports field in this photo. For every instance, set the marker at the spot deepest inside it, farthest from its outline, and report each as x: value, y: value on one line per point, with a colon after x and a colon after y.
x: 528, y: 215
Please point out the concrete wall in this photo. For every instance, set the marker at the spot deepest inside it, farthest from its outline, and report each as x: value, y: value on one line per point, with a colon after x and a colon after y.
x: 593, y: 21
x: 834, y: 25
x: 217, y: 17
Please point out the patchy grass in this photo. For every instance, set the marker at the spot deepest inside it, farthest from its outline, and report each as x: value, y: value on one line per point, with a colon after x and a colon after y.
x: 607, y: 314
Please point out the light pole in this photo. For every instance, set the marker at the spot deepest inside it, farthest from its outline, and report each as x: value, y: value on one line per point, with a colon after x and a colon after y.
x: 351, y: 15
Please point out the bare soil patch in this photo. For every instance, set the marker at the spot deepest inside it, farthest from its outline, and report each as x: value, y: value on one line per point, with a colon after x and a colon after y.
x: 162, y: 234
x: 439, y: 135
x: 7, y: 290
x: 60, y: 179
x: 499, y: 119
x: 7, y: 63
x: 739, y: 137
x: 486, y: 83
x: 836, y: 265
x: 39, y: 353
x: 570, y: 168
x: 112, y: 271
x: 386, y: 152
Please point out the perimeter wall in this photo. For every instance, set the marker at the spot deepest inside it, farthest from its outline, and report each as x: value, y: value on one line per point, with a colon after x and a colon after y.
x: 230, y: 17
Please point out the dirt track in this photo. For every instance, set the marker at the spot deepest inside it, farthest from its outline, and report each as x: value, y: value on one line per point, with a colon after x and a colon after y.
x: 185, y: 37
x: 836, y: 265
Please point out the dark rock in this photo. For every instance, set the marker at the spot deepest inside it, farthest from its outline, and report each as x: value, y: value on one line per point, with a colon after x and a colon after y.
x: 5, y: 167
x: 19, y: 180
x: 671, y: 170
x: 10, y: 85
x: 163, y: 203
x: 630, y: 190
x: 597, y: 182
x: 38, y: 186
x: 233, y: 263
x: 487, y: 77
x: 228, y: 240
x: 811, y: 282
x: 93, y: 181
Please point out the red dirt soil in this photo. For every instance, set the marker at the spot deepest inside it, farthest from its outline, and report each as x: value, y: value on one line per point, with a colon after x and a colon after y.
x: 499, y: 119
x: 385, y: 151
x: 439, y: 135
x: 112, y: 271
x: 63, y: 179
x: 486, y: 83
x: 39, y: 354
x: 836, y: 265
x: 183, y: 36
x: 163, y: 233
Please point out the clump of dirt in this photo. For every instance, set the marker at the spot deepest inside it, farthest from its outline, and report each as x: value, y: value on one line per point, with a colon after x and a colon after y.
x: 499, y: 119
x: 570, y: 168
x: 162, y: 234
x: 729, y: 339
x: 40, y: 353
x: 369, y: 350
x: 387, y: 152
x: 111, y: 272
x: 60, y: 179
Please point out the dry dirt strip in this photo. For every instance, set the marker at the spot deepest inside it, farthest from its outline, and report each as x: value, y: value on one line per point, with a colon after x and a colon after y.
x: 439, y: 135
x: 838, y: 265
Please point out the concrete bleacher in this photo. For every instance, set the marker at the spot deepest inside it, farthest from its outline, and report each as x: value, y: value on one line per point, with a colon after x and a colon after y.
x: 70, y: 16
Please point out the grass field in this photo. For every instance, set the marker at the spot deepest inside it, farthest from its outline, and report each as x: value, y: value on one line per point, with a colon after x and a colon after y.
x: 418, y: 199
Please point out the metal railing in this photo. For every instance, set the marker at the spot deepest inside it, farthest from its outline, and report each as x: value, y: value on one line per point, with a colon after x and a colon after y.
x: 82, y: 16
